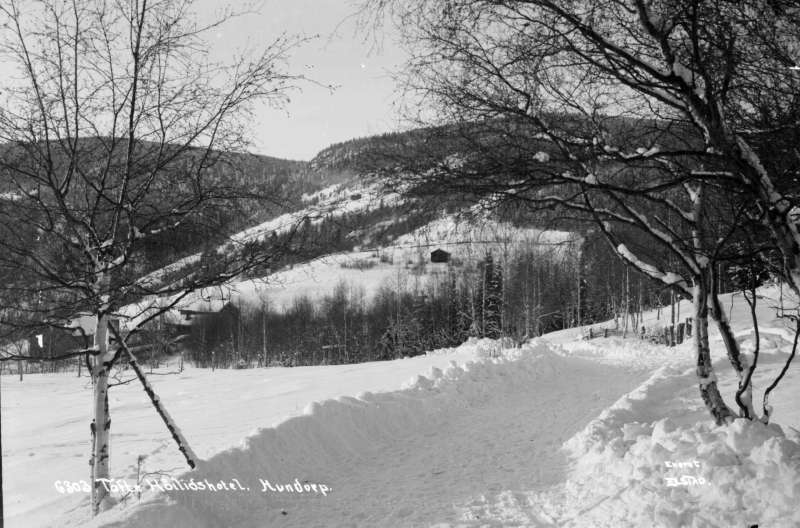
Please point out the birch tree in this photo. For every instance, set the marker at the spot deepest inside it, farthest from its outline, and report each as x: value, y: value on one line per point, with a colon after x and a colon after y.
x: 631, y: 114
x: 116, y: 120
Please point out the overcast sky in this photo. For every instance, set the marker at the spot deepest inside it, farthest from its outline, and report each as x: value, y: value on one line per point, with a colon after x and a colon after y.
x: 364, y: 102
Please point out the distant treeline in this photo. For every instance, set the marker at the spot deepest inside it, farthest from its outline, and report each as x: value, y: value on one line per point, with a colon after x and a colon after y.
x: 522, y: 292
x: 516, y: 290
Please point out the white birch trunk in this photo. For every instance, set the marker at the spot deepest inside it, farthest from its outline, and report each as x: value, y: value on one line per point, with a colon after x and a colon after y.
x: 705, y: 371
x: 101, y: 424
x: 732, y: 350
x: 704, y: 285
x: 177, y: 435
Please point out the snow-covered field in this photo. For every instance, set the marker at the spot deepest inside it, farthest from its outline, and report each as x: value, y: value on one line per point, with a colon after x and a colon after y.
x: 560, y: 432
x: 46, y: 420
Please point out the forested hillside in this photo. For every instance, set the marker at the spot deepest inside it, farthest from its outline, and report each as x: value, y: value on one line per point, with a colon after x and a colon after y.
x: 352, y: 223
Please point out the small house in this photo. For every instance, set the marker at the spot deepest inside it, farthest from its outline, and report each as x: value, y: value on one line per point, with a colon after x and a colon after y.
x: 440, y: 255
x: 54, y: 341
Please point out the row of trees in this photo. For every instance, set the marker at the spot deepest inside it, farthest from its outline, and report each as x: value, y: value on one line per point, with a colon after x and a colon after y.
x: 522, y: 292
x: 516, y: 288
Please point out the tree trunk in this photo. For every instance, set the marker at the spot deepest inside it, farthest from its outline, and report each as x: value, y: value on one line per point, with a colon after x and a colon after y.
x: 264, y: 334
x: 177, y: 435
x: 578, y: 314
x: 615, y: 309
x: 537, y: 329
x: 725, y: 330
x: 703, y: 285
x: 731, y: 346
x: 639, y: 307
x: 671, y: 318
x: 627, y: 304
x: 101, y: 425
x: 705, y: 371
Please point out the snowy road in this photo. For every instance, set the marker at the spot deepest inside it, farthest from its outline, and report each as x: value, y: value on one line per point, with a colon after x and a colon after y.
x: 511, y: 441
x: 412, y: 458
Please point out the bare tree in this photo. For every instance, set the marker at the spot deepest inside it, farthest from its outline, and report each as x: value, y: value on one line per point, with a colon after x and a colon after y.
x: 674, y: 120
x: 116, y: 129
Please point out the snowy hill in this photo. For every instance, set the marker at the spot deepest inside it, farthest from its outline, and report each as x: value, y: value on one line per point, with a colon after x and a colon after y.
x: 371, y: 268
x: 466, y: 236
x: 560, y: 432
x: 329, y: 203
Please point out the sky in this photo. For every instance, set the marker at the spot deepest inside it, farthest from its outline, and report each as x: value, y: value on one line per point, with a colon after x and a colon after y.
x: 365, y: 98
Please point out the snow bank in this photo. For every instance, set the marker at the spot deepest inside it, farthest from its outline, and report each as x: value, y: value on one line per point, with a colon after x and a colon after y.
x: 633, y: 467
x: 631, y: 352
x: 655, y: 458
x: 316, y: 447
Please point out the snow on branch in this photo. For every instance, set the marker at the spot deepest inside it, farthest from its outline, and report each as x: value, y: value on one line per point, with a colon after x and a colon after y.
x: 668, y: 278
x: 664, y: 237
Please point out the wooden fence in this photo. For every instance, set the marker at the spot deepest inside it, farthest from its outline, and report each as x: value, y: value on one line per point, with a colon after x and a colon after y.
x: 663, y: 335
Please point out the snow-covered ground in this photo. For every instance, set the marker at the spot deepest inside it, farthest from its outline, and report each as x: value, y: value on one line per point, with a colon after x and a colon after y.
x: 46, y: 420
x: 560, y: 432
